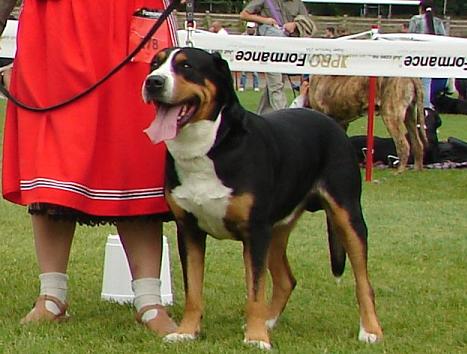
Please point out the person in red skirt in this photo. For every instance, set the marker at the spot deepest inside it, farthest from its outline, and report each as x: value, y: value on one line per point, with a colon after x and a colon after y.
x: 88, y: 162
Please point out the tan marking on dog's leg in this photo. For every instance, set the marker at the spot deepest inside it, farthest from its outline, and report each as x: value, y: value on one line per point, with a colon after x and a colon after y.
x: 191, y: 323
x: 194, y: 249
x: 283, y: 280
x: 178, y: 212
x: 357, y: 252
x: 256, y: 310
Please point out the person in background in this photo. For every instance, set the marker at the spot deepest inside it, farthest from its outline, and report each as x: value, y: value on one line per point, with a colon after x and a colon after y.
x: 329, y: 32
x: 274, y: 18
x: 342, y: 31
x: 426, y: 23
x: 405, y: 27
x: 461, y: 87
x: 216, y: 27
x: 250, y: 31
x: 86, y: 162
x: 301, y: 101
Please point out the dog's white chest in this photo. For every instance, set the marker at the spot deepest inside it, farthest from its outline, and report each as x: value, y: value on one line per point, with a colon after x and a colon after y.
x: 200, y: 192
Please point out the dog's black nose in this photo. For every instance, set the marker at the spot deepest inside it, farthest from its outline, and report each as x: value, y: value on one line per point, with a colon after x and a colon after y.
x: 154, y: 83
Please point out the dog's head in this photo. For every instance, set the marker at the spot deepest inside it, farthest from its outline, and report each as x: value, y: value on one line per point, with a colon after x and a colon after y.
x: 187, y: 85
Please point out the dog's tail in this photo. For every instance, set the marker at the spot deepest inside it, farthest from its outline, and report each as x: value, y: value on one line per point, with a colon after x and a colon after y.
x: 336, y: 252
x: 420, y: 111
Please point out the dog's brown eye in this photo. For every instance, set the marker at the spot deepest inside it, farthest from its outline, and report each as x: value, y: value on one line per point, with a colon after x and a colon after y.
x: 186, y: 65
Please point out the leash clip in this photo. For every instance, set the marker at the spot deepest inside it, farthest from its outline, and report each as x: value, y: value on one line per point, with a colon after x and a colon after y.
x: 190, y: 23
x: 190, y: 26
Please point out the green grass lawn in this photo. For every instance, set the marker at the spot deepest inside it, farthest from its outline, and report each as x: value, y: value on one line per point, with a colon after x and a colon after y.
x: 417, y: 260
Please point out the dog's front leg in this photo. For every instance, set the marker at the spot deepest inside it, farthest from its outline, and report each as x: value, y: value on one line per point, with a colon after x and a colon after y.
x: 254, y: 255
x: 192, y: 246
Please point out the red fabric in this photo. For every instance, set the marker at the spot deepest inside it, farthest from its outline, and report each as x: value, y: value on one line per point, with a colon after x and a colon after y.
x: 139, y: 27
x: 91, y: 155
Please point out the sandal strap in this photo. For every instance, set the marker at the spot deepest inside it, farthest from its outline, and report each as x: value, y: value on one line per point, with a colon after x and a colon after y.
x: 40, y: 312
x: 144, y: 309
x: 61, y: 306
x: 162, y: 324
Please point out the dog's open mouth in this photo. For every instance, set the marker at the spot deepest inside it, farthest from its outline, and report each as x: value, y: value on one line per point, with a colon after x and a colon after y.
x: 169, y: 119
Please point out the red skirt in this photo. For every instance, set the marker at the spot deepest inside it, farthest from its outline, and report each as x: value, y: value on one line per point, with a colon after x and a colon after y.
x: 90, y: 155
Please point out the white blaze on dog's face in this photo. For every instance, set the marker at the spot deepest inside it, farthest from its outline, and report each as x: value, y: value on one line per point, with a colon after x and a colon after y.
x: 160, y: 66
x: 179, y: 89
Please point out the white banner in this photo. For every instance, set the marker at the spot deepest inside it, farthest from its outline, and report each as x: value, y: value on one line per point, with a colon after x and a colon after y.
x: 8, y: 40
x: 397, y: 55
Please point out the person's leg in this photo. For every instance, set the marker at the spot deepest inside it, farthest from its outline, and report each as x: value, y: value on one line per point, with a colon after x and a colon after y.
x: 242, y: 81
x: 255, y: 81
x: 274, y: 97
x: 53, y: 239
x: 427, y: 93
x: 275, y: 84
x: 142, y: 241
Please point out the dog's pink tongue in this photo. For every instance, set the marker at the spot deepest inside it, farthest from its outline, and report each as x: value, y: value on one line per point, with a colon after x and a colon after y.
x: 164, y: 126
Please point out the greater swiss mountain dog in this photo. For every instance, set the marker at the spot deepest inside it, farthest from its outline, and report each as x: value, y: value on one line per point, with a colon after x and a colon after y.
x: 236, y: 175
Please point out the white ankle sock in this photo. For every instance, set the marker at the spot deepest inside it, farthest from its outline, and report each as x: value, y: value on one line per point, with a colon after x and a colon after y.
x: 147, y: 292
x: 56, y: 285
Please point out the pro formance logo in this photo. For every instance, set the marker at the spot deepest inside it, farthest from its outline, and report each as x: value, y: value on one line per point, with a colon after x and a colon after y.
x: 297, y: 59
x: 433, y: 61
x: 348, y: 62
x: 272, y: 57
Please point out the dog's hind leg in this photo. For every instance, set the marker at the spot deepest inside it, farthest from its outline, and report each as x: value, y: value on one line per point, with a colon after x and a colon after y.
x: 414, y: 136
x: 283, y: 280
x: 394, y: 127
x: 254, y: 255
x: 348, y: 223
x: 192, y: 245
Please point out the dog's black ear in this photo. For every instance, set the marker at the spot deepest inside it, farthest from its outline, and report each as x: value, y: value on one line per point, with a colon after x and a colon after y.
x: 221, y: 63
x: 225, y: 75
x: 223, y: 67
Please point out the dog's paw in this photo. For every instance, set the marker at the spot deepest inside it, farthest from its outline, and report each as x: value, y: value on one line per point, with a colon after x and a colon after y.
x: 258, y: 344
x: 366, y: 337
x: 179, y: 337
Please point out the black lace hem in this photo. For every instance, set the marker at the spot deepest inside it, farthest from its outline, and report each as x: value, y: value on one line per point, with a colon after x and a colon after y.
x: 58, y: 212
